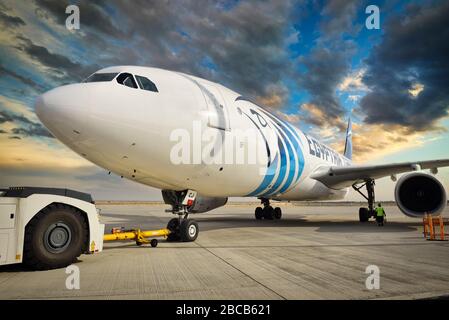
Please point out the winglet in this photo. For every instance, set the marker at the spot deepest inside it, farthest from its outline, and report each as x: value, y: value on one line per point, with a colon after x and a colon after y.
x: 348, y: 143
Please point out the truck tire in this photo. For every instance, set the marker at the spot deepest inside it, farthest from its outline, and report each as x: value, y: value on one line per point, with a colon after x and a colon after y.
x: 55, y: 237
x: 188, y: 230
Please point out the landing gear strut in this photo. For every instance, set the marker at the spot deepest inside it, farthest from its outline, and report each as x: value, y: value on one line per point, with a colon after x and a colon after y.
x: 181, y: 228
x: 366, y: 213
x: 267, y: 212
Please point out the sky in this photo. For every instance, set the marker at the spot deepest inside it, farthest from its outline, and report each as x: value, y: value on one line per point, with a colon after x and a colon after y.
x: 313, y: 63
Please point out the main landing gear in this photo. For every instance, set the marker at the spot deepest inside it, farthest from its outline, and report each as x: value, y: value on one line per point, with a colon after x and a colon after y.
x: 366, y: 213
x: 267, y: 212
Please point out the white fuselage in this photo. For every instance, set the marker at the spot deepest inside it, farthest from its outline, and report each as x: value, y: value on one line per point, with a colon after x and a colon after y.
x: 135, y: 133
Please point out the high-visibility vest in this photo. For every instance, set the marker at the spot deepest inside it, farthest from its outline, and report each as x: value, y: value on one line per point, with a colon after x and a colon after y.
x: 380, y: 211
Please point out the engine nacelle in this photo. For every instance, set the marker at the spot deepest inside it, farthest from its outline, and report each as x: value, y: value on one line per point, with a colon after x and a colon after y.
x: 419, y: 193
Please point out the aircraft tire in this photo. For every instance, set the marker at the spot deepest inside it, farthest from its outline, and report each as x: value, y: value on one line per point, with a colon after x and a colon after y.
x: 259, y: 213
x: 277, y: 213
x: 188, y: 230
x: 363, y: 214
x: 173, y: 226
x: 268, y: 213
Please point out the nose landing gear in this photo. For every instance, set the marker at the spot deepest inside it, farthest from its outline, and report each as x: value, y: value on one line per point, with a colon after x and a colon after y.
x: 182, y: 229
x: 267, y: 212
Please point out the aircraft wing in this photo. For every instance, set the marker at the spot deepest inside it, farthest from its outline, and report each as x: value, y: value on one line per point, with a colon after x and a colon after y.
x: 342, y: 177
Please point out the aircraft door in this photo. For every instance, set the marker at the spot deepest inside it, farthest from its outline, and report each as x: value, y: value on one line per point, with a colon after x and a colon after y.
x: 218, y: 113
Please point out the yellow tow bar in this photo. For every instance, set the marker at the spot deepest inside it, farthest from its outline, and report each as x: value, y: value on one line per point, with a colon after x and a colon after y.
x: 141, y: 237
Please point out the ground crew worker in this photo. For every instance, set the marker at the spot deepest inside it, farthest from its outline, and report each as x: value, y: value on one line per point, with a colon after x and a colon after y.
x: 380, y: 215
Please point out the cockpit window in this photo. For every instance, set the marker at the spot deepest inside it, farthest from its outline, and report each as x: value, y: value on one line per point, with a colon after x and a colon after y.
x: 146, y: 84
x: 98, y: 77
x: 127, y: 79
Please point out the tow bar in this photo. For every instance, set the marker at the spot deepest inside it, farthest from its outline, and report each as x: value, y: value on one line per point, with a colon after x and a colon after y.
x: 140, y: 236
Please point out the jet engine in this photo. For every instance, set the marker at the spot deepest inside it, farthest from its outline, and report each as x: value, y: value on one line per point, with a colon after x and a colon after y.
x: 419, y: 193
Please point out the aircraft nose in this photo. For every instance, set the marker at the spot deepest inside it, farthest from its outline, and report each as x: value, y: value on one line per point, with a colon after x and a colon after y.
x: 64, y: 110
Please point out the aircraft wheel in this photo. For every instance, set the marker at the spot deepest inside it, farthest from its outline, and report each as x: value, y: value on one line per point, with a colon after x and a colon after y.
x: 173, y: 226
x: 363, y: 214
x: 268, y: 213
x: 277, y: 213
x: 188, y: 230
x: 259, y: 213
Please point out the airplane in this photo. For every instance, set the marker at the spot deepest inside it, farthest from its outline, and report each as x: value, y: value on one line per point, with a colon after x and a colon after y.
x: 133, y: 121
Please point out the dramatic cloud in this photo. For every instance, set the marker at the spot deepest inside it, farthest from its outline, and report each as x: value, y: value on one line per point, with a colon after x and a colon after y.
x: 27, y: 81
x: 338, y: 18
x: 408, y: 72
x: 325, y: 69
x: 29, y: 128
x: 62, y: 67
x: 241, y: 45
x: 10, y: 21
x: 328, y: 62
x: 93, y: 14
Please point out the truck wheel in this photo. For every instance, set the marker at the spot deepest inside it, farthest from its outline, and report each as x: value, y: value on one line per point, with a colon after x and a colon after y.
x: 55, y: 237
x: 173, y: 226
x: 363, y: 214
x: 188, y: 230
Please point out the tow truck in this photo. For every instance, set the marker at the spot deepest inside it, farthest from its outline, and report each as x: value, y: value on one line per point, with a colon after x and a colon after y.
x: 48, y: 228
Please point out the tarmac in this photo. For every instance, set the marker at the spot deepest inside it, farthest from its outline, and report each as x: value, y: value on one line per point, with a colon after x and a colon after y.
x: 314, y: 252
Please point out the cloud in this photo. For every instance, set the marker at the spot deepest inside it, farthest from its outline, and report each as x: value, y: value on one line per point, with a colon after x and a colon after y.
x: 92, y: 15
x: 25, y: 80
x: 60, y: 66
x: 27, y: 127
x: 328, y: 63
x: 338, y: 17
x: 10, y: 21
x: 21, y: 118
x: 33, y: 130
x: 388, y: 139
x: 353, y: 81
x: 414, y: 50
x: 275, y: 97
x: 325, y: 69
